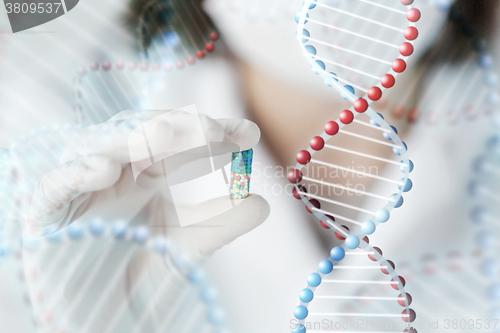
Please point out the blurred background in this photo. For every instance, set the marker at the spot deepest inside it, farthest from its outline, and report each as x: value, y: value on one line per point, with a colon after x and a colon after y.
x: 241, y: 59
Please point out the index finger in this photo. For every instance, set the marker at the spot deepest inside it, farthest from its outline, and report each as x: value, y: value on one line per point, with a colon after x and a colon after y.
x: 135, y: 137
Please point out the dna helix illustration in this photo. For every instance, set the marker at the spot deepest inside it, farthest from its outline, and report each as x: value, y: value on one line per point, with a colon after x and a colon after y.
x: 82, y: 252
x: 23, y: 165
x: 68, y: 257
x: 474, y: 76
x: 456, y: 291
x: 193, y: 308
x: 278, y: 11
x: 112, y: 88
x: 358, y: 48
x: 166, y: 45
x: 324, y: 290
x: 13, y: 281
x: 103, y: 89
x: 371, y: 130
x: 172, y: 36
x: 165, y: 33
x: 484, y: 214
x: 366, y: 53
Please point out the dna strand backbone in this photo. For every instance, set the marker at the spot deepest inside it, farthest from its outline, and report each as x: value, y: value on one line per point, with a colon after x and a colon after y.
x: 69, y: 258
x: 376, y: 134
x: 455, y: 290
x: 484, y: 214
x: 165, y: 35
x: 172, y: 36
x: 468, y: 69
x: 275, y: 12
x: 75, y: 257
x: 192, y: 305
x: 358, y: 48
x: 450, y: 288
x: 319, y: 300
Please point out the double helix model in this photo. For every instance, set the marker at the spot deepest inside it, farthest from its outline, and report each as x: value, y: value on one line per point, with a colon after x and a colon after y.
x: 106, y: 276
x: 326, y: 300
x: 172, y: 36
x: 175, y: 33
x: 452, y: 87
x: 358, y: 48
x: 274, y: 12
x: 101, y: 90
x: 13, y: 287
x: 147, y: 277
x: 452, y: 291
x: 21, y: 167
x: 483, y: 190
x: 367, y: 142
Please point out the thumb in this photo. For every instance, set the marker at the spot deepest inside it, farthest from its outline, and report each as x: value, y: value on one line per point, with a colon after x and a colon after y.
x: 203, y: 238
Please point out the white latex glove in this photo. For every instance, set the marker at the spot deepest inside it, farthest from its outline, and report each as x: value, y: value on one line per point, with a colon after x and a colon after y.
x: 95, y: 179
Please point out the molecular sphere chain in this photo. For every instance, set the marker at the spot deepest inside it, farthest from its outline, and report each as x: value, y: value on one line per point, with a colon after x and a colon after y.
x: 483, y: 191
x: 485, y: 215
x: 348, y: 278
x: 332, y: 176
x: 332, y: 41
x: 358, y: 47
x: 109, y: 277
x: 22, y: 167
x: 49, y: 154
x: 475, y: 81
x: 451, y: 90
x: 452, y: 293
x: 173, y: 34
x: 13, y: 286
x: 101, y: 90
x: 278, y: 12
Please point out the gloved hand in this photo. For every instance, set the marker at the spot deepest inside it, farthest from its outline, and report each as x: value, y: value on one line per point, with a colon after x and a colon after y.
x: 95, y: 179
